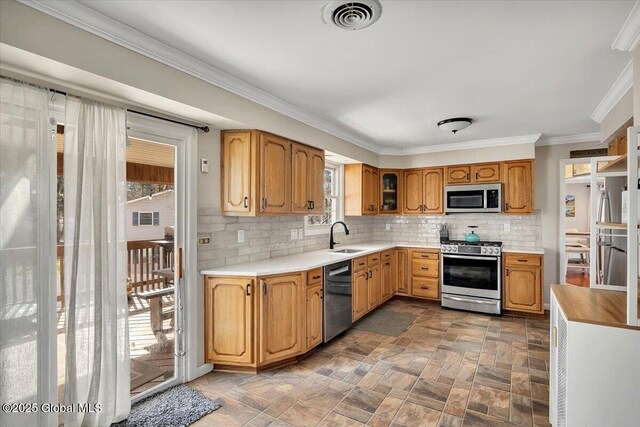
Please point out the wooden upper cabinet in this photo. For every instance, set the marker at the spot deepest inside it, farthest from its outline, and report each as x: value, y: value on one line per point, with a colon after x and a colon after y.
x: 316, y: 189
x: 307, y: 179
x: 458, y: 174
x: 413, y: 192
x: 518, y: 186
x: 301, y: 179
x: 485, y: 172
x: 229, y: 320
x: 275, y: 174
x: 361, y: 190
x: 390, y: 191
x: 424, y: 191
x: 238, y: 173
x: 281, y: 317
x: 433, y: 187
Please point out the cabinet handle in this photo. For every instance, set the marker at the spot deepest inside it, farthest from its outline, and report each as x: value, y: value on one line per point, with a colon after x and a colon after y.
x: 246, y: 202
x: 387, y: 263
x: 477, y: 176
x: 264, y: 203
x: 366, y: 275
x: 506, y: 272
x: 523, y: 260
x: 425, y: 268
x: 308, y: 204
x: 424, y: 256
x: 506, y: 206
x: 264, y: 288
x: 424, y: 287
x: 371, y: 207
x: 248, y: 289
x: 316, y: 277
x: 467, y: 176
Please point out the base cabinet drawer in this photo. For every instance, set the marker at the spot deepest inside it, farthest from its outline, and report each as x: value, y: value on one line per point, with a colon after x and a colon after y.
x: 425, y: 288
x: 425, y: 268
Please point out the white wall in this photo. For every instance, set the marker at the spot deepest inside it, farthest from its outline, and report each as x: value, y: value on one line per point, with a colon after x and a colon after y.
x: 582, y: 194
x: 475, y: 155
x: 547, y: 199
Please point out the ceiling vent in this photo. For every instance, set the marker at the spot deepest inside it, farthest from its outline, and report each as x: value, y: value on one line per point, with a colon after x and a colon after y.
x: 352, y: 15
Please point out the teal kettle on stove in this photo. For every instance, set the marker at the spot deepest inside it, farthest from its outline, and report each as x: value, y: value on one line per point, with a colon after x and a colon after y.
x: 472, y: 237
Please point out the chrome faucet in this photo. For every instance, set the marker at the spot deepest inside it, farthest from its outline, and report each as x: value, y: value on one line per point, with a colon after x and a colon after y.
x: 332, y: 243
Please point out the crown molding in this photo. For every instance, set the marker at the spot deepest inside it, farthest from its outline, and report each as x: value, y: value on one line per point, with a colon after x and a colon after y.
x: 629, y: 35
x: 569, y: 139
x: 468, y: 145
x: 87, y: 19
x: 623, y: 83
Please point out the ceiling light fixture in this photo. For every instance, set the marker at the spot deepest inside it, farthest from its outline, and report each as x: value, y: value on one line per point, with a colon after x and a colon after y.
x: 455, y: 124
x: 352, y: 15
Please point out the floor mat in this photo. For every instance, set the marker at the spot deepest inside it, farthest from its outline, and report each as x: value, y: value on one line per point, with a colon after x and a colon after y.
x: 386, y: 322
x: 178, y: 406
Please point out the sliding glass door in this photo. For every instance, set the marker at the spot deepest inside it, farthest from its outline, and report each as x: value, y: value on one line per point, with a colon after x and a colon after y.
x: 155, y: 236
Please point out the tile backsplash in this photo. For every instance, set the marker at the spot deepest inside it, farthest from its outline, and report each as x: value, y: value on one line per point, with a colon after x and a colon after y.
x: 270, y: 237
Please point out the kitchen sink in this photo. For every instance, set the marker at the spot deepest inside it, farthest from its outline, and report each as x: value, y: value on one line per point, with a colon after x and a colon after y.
x: 348, y: 251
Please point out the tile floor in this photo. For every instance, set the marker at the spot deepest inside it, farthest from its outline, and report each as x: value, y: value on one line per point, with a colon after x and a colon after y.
x: 449, y: 368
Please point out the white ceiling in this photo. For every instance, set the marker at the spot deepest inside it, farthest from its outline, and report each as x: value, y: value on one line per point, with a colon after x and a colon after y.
x: 516, y: 68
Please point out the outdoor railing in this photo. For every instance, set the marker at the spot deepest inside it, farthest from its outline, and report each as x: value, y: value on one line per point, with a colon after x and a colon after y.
x: 143, y: 258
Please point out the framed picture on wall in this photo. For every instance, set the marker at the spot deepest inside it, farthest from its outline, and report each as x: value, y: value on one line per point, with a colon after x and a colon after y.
x: 570, y: 206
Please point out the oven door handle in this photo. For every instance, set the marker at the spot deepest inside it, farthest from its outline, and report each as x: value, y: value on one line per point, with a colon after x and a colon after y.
x: 475, y: 301
x: 481, y: 258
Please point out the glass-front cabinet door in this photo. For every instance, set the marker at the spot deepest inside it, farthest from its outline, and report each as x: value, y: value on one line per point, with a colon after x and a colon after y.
x: 390, y: 191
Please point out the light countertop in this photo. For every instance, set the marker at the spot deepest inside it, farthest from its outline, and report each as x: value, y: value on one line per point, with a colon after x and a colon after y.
x: 310, y: 260
x: 508, y: 249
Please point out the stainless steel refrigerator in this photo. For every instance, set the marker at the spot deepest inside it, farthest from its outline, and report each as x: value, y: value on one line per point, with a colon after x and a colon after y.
x: 611, y: 259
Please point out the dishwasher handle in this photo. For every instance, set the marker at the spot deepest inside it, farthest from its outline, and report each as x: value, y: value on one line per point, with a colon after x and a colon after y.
x: 338, y: 270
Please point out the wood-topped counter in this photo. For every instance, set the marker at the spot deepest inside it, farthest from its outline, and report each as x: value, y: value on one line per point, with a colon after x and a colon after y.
x: 596, y: 306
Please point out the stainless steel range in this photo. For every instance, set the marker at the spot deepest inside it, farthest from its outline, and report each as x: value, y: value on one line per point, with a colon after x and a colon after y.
x: 470, y: 277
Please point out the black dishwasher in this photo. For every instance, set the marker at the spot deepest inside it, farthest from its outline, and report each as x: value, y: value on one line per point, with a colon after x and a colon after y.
x: 337, y: 299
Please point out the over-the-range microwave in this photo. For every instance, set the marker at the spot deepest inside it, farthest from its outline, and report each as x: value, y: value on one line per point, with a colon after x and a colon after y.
x: 473, y: 198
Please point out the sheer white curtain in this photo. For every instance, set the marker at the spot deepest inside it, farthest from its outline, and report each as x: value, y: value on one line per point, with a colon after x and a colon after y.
x: 97, y: 342
x: 27, y: 257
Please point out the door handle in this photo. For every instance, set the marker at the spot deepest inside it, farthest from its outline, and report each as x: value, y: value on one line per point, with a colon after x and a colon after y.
x: 248, y: 289
x: 246, y: 202
x: 179, y: 266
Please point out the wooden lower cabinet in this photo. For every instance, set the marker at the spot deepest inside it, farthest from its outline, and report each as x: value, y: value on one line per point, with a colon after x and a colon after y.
x: 389, y: 274
x: 281, y: 309
x: 314, y: 315
x: 253, y: 322
x: 374, y: 286
x: 360, y: 294
x: 523, y: 287
x: 425, y: 273
x: 229, y: 320
x: 403, y: 272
